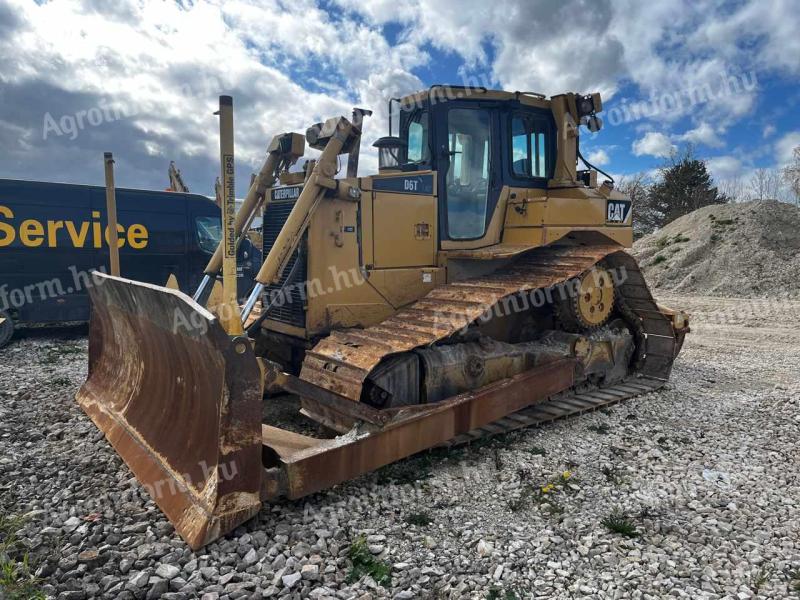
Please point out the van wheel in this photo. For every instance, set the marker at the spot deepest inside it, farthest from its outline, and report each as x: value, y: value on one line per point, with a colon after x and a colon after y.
x: 6, y: 328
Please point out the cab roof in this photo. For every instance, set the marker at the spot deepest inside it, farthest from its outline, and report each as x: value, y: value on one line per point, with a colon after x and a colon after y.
x: 438, y: 93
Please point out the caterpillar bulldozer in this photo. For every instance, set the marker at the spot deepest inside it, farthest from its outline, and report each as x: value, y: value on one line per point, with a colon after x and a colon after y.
x: 477, y: 284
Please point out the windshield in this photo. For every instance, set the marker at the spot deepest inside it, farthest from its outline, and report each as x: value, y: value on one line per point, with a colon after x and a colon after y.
x: 209, y: 233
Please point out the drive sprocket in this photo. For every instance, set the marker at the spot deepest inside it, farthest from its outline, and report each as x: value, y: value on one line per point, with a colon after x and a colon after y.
x: 590, y: 301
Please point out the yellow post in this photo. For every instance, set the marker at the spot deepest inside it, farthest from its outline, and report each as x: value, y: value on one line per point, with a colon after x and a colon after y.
x: 112, y: 235
x: 229, y: 310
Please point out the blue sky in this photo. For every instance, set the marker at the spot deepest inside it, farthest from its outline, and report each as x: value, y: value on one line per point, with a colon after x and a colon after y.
x: 141, y: 78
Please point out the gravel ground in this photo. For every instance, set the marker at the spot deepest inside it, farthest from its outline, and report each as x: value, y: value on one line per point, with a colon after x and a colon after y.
x: 703, y: 476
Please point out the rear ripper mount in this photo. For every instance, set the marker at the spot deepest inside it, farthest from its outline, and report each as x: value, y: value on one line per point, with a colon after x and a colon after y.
x: 181, y: 401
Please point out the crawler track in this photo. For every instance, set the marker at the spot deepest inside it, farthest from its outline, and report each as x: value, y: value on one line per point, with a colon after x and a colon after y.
x: 342, y: 362
x: 561, y: 406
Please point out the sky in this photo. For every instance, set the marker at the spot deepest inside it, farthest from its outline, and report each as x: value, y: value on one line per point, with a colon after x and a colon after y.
x: 141, y: 78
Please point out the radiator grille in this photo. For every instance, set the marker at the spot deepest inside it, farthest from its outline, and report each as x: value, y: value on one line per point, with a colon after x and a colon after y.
x: 290, y: 307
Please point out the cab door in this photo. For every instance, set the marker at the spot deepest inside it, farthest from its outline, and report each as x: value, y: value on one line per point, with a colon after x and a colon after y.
x: 470, y: 182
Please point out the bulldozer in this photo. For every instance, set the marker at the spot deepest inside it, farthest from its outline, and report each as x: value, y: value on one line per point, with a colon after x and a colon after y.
x: 477, y: 284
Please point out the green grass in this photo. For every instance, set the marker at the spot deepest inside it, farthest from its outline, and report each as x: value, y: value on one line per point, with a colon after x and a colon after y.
x: 537, y: 451
x: 525, y: 499
x: 496, y: 593
x: 419, y: 519
x: 665, y: 241
x: 366, y: 564
x: 418, y: 468
x: 52, y: 355
x: 406, y: 471
x: 612, y: 474
x: 793, y: 581
x: 544, y: 495
x: 601, y: 428
x: 498, y: 460
x: 618, y: 523
x: 16, y: 579
x: 658, y: 260
x: 762, y: 577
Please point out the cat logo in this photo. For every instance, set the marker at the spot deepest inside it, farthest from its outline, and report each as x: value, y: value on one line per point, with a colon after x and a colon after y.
x: 618, y: 211
x: 287, y: 193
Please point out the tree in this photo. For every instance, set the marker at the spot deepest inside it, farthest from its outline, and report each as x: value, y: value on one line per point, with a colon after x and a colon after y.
x: 791, y: 175
x: 637, y: 188
x: 685, y: 186
x: 765, y: 184
x: 733, y: 189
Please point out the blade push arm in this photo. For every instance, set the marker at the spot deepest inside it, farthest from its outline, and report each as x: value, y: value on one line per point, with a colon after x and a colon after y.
x: 338, y: 134
x: 284, y: 150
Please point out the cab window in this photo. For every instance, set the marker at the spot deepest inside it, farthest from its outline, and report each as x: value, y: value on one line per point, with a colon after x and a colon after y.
x: 530, y: 146
x: 418, y: 148
x: 209, y: 233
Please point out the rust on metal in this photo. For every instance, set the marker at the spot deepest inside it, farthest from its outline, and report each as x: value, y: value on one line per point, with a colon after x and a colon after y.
x: 275, y: 376
x: 284, y: 442
x: 413, y: 430
x: 179, y: 401
x: 341, y: 362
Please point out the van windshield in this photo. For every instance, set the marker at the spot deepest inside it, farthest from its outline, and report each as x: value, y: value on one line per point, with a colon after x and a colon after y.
x: 209, y: 233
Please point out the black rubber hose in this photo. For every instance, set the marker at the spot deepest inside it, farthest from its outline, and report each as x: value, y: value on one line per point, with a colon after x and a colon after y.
x: 590, y: 165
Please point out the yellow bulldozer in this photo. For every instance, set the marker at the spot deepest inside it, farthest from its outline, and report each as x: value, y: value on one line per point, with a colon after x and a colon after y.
x: 477, y: 284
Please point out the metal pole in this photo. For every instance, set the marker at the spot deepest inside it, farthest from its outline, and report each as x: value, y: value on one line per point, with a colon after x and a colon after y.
x: 112, y: 235
x: 358, y: 124
x: 229, y: 292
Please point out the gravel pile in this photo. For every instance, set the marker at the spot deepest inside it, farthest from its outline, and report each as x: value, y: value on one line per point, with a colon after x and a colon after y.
x: 690, y: 492
x: 749, y: 249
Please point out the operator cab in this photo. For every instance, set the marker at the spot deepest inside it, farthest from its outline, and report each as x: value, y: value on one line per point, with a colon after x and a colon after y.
x: 478, y: 141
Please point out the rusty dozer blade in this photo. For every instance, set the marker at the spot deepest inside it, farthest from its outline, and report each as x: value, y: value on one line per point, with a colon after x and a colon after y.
x: 180, y: 401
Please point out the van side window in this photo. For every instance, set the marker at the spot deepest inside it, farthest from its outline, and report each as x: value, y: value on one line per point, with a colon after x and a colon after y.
x: 418, y: 149
x: 529, y: 147
x: 209, y: 233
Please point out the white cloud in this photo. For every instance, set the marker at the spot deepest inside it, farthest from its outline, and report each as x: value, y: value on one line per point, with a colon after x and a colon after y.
x: 598, y: 157
x: 770, y: 30
x: 288, y: 64
x: 671, y: 50
x: 724, y: 167
x: 166, y: 63
x: 533, y: 49
x: 769, y: 130
x: 703, y: 134
x: 784, y: 149
x: 654, y: 144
